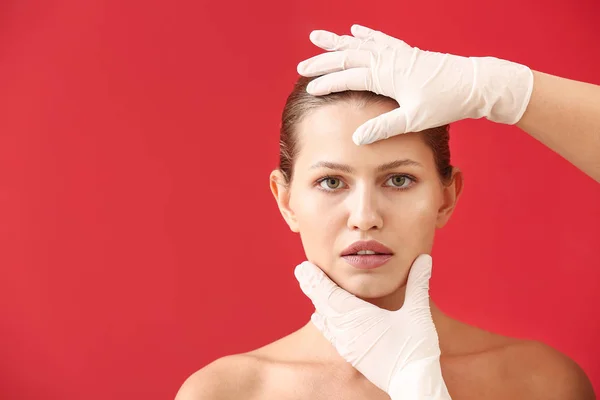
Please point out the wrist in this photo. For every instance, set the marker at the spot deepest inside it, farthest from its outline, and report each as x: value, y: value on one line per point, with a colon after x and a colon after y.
x: 503, y: 89
x: 419, y: 380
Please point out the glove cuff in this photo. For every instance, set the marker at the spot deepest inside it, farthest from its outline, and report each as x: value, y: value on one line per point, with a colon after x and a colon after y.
x: 503, y: 89
x: 419, y: 380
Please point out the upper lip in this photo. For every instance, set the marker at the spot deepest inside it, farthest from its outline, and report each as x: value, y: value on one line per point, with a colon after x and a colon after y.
x: 372, y: 245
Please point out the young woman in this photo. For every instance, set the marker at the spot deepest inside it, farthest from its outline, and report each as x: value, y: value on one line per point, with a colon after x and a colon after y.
x: 367, y: 217
x: 389, y: 197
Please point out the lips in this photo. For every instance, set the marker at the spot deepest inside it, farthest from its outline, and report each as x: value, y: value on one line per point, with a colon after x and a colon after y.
x: 367, y: 254
x: 366, y: 245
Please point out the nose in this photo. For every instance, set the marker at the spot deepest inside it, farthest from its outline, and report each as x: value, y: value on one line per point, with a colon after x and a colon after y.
x: 364, y: 213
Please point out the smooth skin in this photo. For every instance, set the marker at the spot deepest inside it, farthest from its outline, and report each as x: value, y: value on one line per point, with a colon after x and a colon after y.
x: 475, y: 363
x: 564, y: 115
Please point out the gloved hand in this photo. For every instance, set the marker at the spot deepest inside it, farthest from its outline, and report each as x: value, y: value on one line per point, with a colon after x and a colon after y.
x: 396, y: 350
x: 432, y: 89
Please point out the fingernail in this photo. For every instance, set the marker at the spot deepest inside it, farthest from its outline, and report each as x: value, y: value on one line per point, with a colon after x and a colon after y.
x: 359, y: 28
x: 303, y: 272
x: 428, y: 259
x: 323, y: 39
x: 361, y: 139
x: 318, y: 35
x: 298, y: 272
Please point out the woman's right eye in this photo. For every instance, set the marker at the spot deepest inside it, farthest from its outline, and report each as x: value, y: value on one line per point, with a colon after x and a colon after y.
x: 331, y: 183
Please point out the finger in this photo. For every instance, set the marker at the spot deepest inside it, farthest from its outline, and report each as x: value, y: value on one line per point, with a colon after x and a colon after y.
x: 326, y: 63
x: 328, y: 298
x: 321, y: 323
x: 417, y: 286
x: 362, y: 31
x: 352, y: 79
x: 318, y: 320
x: 381, y: 127
x: 330, y: 41
x: 377, y: 37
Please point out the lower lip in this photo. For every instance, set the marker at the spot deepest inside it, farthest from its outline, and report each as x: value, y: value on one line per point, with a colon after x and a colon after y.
x: 367, y: 261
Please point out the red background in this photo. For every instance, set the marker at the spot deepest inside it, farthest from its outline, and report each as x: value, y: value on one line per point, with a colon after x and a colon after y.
x: 139, y: 238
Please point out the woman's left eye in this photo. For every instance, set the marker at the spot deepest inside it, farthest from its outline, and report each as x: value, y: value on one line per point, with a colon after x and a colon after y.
x: 400, y: 181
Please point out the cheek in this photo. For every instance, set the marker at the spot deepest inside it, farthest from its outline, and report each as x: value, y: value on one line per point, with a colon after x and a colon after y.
x: 423, y: 210
x: 415, y: 218
x: 318, y: 220
x: 314, y: 209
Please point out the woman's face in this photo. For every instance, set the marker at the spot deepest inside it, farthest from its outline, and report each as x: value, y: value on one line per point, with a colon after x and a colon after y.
x: 341, y: 193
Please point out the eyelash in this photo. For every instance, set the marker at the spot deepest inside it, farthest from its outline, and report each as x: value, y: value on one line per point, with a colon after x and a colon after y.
x: 324, y: 178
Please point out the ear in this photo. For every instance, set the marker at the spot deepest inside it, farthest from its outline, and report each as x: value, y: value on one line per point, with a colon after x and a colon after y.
x: 451, y: 193
x: 281, y: 192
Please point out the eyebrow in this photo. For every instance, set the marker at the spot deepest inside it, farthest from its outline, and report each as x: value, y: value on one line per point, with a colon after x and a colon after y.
x: 381, y: 168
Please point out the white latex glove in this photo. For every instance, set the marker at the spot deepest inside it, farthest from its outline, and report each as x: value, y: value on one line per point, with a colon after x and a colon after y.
x: 396, y: 350
x: 432, y: 89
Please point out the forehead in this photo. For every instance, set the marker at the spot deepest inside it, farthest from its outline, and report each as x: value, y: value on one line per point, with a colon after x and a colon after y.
x: 326, y: 135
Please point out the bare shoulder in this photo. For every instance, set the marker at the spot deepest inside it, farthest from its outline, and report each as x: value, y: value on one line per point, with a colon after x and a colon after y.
x: 231, y: 377
x: 548, y: 373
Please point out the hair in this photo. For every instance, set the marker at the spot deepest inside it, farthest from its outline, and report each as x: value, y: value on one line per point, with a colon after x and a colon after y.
x: 300, y: 103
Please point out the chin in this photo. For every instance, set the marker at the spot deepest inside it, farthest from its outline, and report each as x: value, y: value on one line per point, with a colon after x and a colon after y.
x: 371, y: 286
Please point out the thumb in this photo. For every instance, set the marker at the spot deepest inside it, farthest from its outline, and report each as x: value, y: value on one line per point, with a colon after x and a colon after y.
x: 328, y: 298
x: 417, y: 286
x: 381, y: 127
